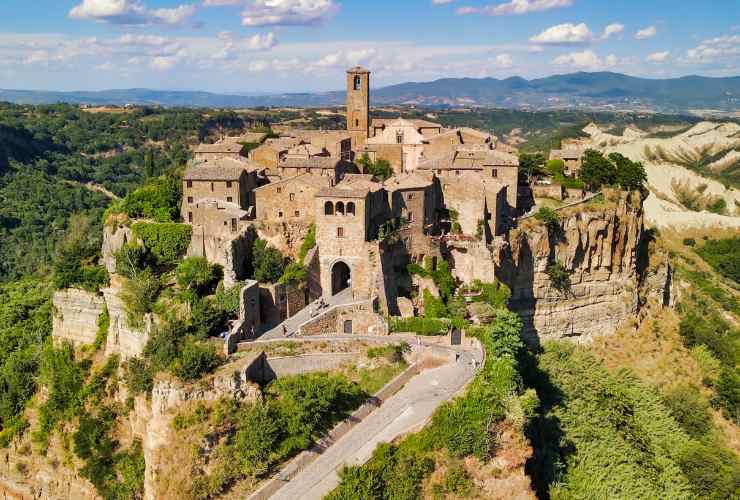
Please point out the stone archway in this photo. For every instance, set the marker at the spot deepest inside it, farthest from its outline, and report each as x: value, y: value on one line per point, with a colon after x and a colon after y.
x: 341, y: 277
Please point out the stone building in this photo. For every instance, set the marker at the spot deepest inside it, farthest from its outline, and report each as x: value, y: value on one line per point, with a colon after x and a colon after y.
x: 221, y: 149
x: 423, y: 127
x: 224, y: 180
x: 412, y: 197
x: 400, y: 143
x: 348, y: 216
x: 336, y: 143
x: 572, y: 156
x: 269, y: 154
x: 324, y: 166
x: 291, y: 199
x: 448, y: 141
x: 358, y: 105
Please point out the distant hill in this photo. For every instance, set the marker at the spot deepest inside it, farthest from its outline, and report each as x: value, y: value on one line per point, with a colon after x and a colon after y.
x: 603, y: 90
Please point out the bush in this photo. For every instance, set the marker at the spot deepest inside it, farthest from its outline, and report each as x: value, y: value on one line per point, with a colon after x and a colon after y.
x: 433, y: 307
x: 308, y: 243
x: 196, y: 274
x: 139, y: 296
x: 139, y: 376
x: 74, y: 264
x: 689, y: 409
x: 724, y: 256
x: 294, y: 274
x: 207, y: 319
x: 195, y: 360
x: 267, y: 262
x: 549, y: 217
x: 103, y: 323
x: 165, y: 241
x: 422, y: 326
x: 689, y: 242
x: 559, y: 277
x: 158, y: 199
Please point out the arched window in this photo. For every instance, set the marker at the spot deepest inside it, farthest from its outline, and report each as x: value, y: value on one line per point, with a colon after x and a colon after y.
x: 328, y: 208
x: 340, y: 208
x: 399, y: 137
x: 351, y: 208
x: 357, y: 123
x: 358, y: 82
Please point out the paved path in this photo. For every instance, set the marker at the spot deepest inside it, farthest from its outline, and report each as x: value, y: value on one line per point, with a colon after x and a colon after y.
x: 406, y: 411
x: 290, y: 326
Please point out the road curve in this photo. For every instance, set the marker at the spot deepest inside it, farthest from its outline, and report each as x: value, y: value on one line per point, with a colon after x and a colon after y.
x: 404, y: 412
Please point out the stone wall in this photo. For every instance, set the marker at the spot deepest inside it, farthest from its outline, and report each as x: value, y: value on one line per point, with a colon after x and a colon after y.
x: 554, y: 191
x: 472, y: 260
x: 598, y: 247
x: 285, y: 236
x: 364, y: 321
x: 114, y: 237
x: 76, y: 315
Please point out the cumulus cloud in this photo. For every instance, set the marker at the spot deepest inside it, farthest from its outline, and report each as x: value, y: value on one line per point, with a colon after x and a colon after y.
x: 585, y: 59
x: 715, y: 49
x: 129, y: 12
x: 564, y: 34
x: 648, y: 32
x: 288, y: 12
x: 658, y: 57
x: 233, y: 48
x: 612, y: 29
x: 504, y: 61
x: 516, y: 7
x: 163, y: 63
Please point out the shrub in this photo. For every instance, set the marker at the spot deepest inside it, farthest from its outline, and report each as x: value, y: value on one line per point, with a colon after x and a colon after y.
x: 689, y: 409
x: 267, y: 262
x: 74, y: 264
x: 139, y: 296
x: 559, y: 276
x: 207, y: 319
x: 433, y: 307
x: 728, y: 393
x: 294, y: 274
x: 724, y: 256
x: 228, y: 299
x: 555, y: 168
x: 139, y: 376
x: 158, y: 199
x: 131, y: 259
x: 308, y: 243
x: 103, y: 323
x: 549, y: 217
x: 195, y: 360
x: 689, y: 242
x: 422, y: 326
x: 196, y: 274
x: 165, y: 241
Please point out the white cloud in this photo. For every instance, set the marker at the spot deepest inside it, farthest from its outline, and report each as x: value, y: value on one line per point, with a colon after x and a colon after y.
x: 442, y: 2
x: 129, y: 12
x: 516, y: 7
x: 715, y: 49
x: 504, y: 61
x: 564, y: 34
x: 288, y: 12
x: 612, y: 29
x: 260, y: 42
x: 585, y: 59
x: 145, y: 40
x: 163, y: 63
x: 658, y: 57
x: 648, y: 32
x: 219, y: 3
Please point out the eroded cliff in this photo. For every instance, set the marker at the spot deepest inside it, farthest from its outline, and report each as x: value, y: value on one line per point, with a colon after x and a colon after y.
x: 597, y: 244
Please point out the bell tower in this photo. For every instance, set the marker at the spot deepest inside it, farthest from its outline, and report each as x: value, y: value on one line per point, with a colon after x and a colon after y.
x: 358, y: 105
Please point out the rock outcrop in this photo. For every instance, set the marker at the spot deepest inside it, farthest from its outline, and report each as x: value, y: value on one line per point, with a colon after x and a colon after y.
x: 76, y: 315
x: 123, y: 339
x: 598, y: 247
x: 169, y: 397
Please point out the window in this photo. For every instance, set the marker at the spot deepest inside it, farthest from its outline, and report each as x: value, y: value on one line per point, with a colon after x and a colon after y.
x: 357, y: 123
x: 190, y: 200
x: 399, y: 137
x: 280, y: 214
x: 189, y: 184
x: 410, y: 217
x: 340, y: 208
x: 292, y: 196
x: 410, y: 196
x: 233, y: 225
x: 211, y: 187
x: 190, y: 217
x: 229, y: 199
x: 358, y: 82
x: 340, y: 232
x: 297, y: 213
x: 228, y: 184
x: 328, y: 208
x: 351, y: 208
x: 494, y: 172
x: 457, y: 172
x: 279, y: 190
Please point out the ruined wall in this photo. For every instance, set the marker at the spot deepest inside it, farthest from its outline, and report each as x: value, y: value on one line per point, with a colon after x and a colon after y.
x: 598, y: 247
x: 114, y: 237
x: 75, y: 316
x: 472, y: 260
x: 285, y: 236
x: 364, y: 321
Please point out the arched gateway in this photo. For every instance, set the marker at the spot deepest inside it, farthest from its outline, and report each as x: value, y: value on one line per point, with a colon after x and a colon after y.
x: 341, y: 277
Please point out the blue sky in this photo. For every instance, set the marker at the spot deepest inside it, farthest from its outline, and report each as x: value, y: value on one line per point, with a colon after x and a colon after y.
x: 305, y: 45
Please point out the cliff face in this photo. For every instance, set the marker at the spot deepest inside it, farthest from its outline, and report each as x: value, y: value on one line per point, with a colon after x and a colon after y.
x: 598, y: 245
x: 76, y: 315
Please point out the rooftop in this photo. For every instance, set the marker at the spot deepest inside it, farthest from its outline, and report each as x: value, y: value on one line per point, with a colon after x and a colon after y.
x: 352, y: 186
x: 323, y: 162
x: 410, y: 180
x: 219, y: 147
x: 472, y: 158
x: 314, y: 181
x: 206, y: 172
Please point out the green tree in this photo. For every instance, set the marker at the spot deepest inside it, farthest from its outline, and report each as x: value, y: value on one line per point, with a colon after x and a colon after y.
x: 196, y: 274
x: 629, y: 174
x: 597, y: 171
x: 267, y: 262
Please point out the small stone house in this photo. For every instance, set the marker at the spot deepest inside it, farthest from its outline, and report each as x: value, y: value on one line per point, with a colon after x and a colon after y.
x: 226, y: 181
x: 290, y: 200
x: 324, y: 166
x: 269, y: 154
x: 571, y: 156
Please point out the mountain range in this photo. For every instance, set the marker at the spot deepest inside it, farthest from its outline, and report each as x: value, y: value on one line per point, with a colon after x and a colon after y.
x: 576, y: 90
